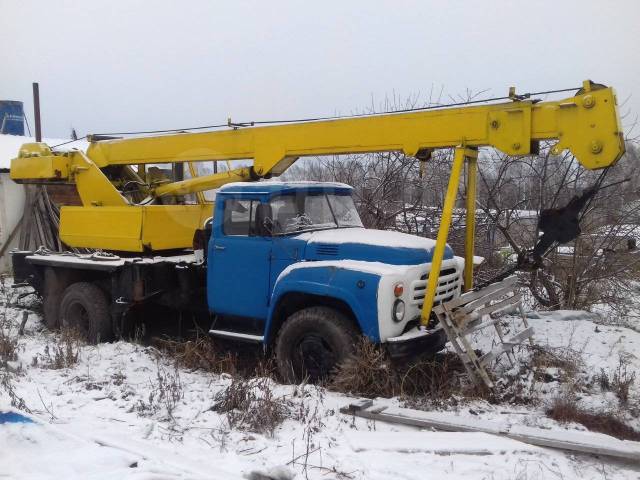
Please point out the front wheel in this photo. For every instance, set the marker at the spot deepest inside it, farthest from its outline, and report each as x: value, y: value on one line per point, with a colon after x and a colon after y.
x: 312, y: 342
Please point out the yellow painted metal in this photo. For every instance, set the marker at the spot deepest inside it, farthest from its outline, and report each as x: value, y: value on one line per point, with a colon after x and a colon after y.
x: 459, y: 157
x: 470, y: 223
x: 510, y: 127
x: 51, y: 167
x: 94, y: 187
x: 194, y: 174
x: 112, y: 228
x: 133, y: 228
x: 182, y: 219
x: 206, y: 182
x: 36, y: 161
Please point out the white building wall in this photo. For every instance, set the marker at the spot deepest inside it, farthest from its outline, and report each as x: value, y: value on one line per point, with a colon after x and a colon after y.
x: 11, y: 208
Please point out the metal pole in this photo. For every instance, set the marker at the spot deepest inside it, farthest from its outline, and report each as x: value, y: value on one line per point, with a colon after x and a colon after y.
x: 470, y: 228
x: 36, y: 111
x: 443, y: 233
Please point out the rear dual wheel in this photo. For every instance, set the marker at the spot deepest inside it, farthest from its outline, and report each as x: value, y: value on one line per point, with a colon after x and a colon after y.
x: 84, y: 307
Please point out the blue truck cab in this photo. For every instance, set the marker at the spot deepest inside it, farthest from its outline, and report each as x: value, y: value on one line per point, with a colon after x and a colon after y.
x: 289, y: 264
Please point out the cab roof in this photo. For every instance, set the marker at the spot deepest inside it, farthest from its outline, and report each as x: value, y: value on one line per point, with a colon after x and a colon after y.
x: 272, y: 187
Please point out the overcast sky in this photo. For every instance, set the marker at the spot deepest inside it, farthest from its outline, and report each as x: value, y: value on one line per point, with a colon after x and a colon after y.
x: 136, y: 65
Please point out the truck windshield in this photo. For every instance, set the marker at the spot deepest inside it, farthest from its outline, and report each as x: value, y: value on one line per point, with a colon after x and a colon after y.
x: 302, y: 213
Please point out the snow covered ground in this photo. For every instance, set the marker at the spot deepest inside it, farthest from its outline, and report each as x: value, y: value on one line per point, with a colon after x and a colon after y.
x: 124, y: 411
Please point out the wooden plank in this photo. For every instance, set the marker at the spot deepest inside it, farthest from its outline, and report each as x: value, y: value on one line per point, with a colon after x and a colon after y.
x: 507, y: 345
x: 590, y: 443
x: 11, y: 236
x: 360, y: 404
x: 470, y: 296
x: 471, y: 306
x: 480, y: 326
x: 436, y: 442
x: 463, y: 315
x: 469, y: 359
x: 27, y: 216
x: 502, y: 305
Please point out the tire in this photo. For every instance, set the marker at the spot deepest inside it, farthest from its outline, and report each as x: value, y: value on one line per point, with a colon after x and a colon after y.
x: 54, y: 287
x: 84, y: 307
x: 312, y: 343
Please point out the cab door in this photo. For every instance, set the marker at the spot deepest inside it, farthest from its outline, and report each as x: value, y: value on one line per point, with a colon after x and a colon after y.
x: 239, y: 262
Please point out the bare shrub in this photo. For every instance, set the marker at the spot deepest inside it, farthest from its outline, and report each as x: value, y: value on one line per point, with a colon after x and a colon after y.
x: 371, y: 373
x: 250, y: 404
x: 6, y: 384
x: 366, y: 373
x: 566, y: 410
x: 623, y: 379
x: 620, y: 381
x: 565, y: 361
x: 62, y: 353
x: 8, y: 347
x: 165, y: 392
x: 9, y: 344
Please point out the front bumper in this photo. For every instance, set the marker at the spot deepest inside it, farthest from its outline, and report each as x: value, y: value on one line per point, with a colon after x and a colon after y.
x: 417, y: 342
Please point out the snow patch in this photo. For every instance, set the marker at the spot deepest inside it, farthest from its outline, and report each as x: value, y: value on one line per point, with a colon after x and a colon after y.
x: 366, y: 236
x: 375, y: 268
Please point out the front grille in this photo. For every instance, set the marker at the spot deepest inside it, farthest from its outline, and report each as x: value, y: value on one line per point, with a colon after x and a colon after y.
x: 327, y: 250
x: 449, y: 284
x: 443, y: 272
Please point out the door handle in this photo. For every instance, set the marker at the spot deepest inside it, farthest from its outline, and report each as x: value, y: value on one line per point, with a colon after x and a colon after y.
x: 219, y: 247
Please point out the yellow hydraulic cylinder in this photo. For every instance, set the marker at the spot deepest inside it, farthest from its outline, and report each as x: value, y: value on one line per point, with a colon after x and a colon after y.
x: 201, y: 184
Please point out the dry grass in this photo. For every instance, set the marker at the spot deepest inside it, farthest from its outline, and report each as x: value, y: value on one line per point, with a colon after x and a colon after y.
x: 165, y: 393
x: 567, y: 362
x: 9, y: 344
x: 620, y: 381
x: 371, y: 373
x: 6, y: 385
x: 566, y: 410
x: 212, y: 355
x: 250, y: 404
x: 199, y: 354
x: 8, y: 348
x: 62, y: 353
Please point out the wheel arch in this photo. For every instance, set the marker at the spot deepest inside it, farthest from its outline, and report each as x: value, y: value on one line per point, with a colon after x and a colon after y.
x: 349, y: 291
x: 293, y: 301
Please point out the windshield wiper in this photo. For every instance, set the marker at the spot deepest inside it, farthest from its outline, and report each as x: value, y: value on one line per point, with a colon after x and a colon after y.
x: 304, y: 231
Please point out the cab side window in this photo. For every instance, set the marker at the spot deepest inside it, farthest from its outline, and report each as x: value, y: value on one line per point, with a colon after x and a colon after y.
x: 239, y: 217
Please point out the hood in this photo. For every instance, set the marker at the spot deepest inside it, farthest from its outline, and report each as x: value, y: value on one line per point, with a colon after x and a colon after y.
x: 369, y: 245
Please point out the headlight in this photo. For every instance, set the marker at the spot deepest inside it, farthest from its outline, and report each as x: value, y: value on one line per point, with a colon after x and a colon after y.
x: 398, y: 310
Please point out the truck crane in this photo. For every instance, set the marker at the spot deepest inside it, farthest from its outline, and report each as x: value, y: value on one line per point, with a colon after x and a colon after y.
x: 285, y: 264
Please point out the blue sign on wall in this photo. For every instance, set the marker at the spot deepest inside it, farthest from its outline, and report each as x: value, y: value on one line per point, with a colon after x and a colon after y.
x: 11, y: 117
